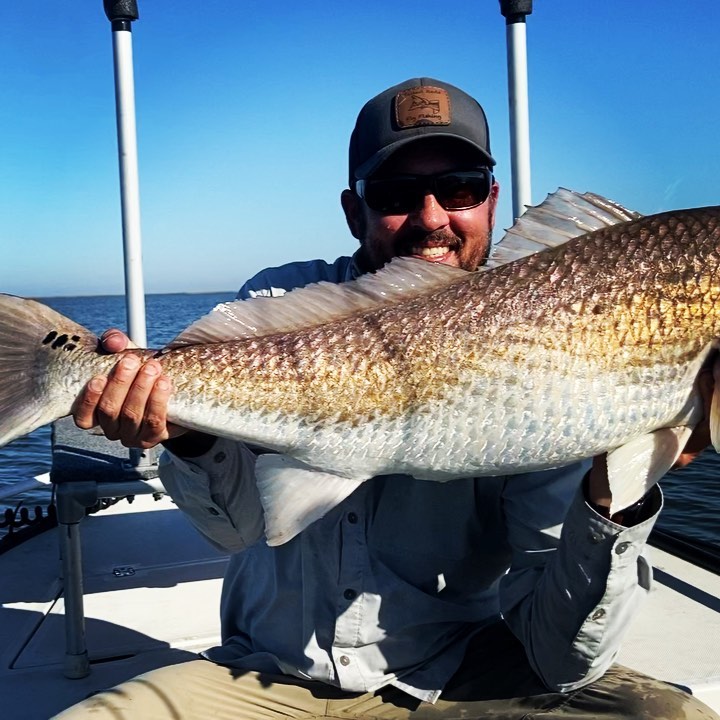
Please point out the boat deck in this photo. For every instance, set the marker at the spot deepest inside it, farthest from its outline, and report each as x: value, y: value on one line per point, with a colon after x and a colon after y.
x: 152, y: 593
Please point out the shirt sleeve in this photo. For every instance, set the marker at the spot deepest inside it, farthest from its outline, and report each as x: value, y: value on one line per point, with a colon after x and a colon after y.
x: 576, y: 579
x: 275, y: 282
x: 218, y: 493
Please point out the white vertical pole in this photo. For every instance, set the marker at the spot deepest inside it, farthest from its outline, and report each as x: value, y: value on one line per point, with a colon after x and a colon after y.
x: 519, y: 117
x: 121, y: 13
x: 515, y: 12
x: 129, y: 182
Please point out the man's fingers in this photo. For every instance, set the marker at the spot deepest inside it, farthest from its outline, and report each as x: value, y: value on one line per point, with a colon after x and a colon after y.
x: 86, y: 403
x: 155, y: 428
x: 111, y: 411
x: 130, y: 404
x: 701, y: 436
x: 133, y: 414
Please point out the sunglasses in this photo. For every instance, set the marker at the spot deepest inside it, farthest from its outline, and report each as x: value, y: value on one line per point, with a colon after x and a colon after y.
x: 404, y: 193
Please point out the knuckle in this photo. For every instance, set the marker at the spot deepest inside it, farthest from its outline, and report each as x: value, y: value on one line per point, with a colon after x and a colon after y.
x: 130, y: 415
x: 106, y: 409
x: 155, y: 424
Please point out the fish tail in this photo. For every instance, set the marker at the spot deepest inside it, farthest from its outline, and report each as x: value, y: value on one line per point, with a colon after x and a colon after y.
x: 35, y: 343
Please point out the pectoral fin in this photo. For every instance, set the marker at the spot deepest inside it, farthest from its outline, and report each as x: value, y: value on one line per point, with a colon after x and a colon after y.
x: 294, y: 495
x: 636, y: 466
x: 715, y: 410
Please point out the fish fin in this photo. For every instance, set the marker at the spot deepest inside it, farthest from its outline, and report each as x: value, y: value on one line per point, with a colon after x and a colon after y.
x: 715, y: 409
x: 636, y: 466
x: 294, y: 495
x: 318, y: 303
x: 28, y: 330
x: 562, y: 216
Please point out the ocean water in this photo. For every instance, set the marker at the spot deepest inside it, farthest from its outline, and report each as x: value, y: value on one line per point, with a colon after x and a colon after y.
x: 692, y: 495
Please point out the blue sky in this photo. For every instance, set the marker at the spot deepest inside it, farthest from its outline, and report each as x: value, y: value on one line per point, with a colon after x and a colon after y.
x: 245, y: 110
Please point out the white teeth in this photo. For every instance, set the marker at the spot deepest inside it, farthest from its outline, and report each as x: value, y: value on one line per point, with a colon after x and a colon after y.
x: 431, y: 251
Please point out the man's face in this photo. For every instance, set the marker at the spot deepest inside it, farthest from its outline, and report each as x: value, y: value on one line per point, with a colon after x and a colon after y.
x: 454, y: 237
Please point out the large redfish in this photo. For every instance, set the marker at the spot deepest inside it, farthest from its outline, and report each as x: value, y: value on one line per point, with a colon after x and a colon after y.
x: 592, y: 344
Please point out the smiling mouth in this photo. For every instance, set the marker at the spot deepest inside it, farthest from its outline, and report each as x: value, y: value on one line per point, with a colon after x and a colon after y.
x: 430, y: 253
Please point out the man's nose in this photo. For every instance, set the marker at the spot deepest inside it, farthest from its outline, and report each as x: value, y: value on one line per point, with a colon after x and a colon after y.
x: 430, y: 214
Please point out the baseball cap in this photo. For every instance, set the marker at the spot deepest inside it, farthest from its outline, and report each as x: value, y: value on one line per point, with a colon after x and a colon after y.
x: 415, y: 109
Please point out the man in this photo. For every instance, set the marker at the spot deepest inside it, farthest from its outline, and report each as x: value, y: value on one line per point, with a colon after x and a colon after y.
x: 409, y: 599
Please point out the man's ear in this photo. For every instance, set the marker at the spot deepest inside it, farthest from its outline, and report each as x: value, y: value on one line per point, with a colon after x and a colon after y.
x: 352, y: 205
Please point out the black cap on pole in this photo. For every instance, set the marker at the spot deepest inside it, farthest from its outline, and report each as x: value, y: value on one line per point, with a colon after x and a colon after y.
x: 121, y: 13
x: 515, y: 11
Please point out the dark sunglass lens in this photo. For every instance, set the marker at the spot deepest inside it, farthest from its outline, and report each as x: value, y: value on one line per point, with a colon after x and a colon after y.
x: 462, y: 191
x: 392, y: 196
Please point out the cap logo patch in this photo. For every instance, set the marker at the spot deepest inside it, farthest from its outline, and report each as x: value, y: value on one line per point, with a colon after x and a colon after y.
x: 424, y: 105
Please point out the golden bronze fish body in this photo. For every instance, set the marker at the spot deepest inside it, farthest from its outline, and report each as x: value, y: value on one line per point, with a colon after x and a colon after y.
x: 629, y: 309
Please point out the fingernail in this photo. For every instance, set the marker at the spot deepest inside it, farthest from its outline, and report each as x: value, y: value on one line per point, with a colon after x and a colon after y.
x: 130, y: 362
x: 151, y: 369
x: 163, y: 384
x: 97, y: 384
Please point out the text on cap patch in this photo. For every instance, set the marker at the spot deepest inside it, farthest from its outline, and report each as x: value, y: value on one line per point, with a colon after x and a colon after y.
x: 424, y: 105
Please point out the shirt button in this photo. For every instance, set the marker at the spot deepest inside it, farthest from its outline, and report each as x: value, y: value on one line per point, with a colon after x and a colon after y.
x: 349, y: 594
x: 344, y: 660
x: 622, y: 547
x: 598, y: 614
x: 352, y: 518
x: 219, y: 457
x: 213, y: 511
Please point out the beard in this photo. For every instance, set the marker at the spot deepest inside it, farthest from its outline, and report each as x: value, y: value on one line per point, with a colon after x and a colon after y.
x: 470, y: 258
x: 372, y: 256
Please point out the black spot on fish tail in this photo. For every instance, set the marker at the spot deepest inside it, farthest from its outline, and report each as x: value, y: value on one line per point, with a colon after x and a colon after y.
x: 50, y: 337
x: 59, y: 342
x: 75, y: 338
x: 70, y: 346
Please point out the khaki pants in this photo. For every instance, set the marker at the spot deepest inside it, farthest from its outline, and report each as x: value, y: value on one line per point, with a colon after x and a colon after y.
x: 490, y: 684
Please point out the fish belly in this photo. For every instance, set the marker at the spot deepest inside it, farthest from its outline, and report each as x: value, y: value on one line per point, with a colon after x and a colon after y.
x: 506, y: 422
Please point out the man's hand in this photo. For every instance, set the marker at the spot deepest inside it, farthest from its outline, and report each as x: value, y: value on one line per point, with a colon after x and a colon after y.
x: 700, y: 439
x: 129, y: 404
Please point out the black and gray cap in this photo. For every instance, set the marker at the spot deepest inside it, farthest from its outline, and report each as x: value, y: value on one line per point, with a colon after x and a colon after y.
x: 415, y: 109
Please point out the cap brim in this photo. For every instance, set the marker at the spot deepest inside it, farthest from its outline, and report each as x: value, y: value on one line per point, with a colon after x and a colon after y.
x: 364, y: 171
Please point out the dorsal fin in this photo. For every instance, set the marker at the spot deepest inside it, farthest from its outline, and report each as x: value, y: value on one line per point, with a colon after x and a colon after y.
x: 402, y: 279
x: 563, y: 215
